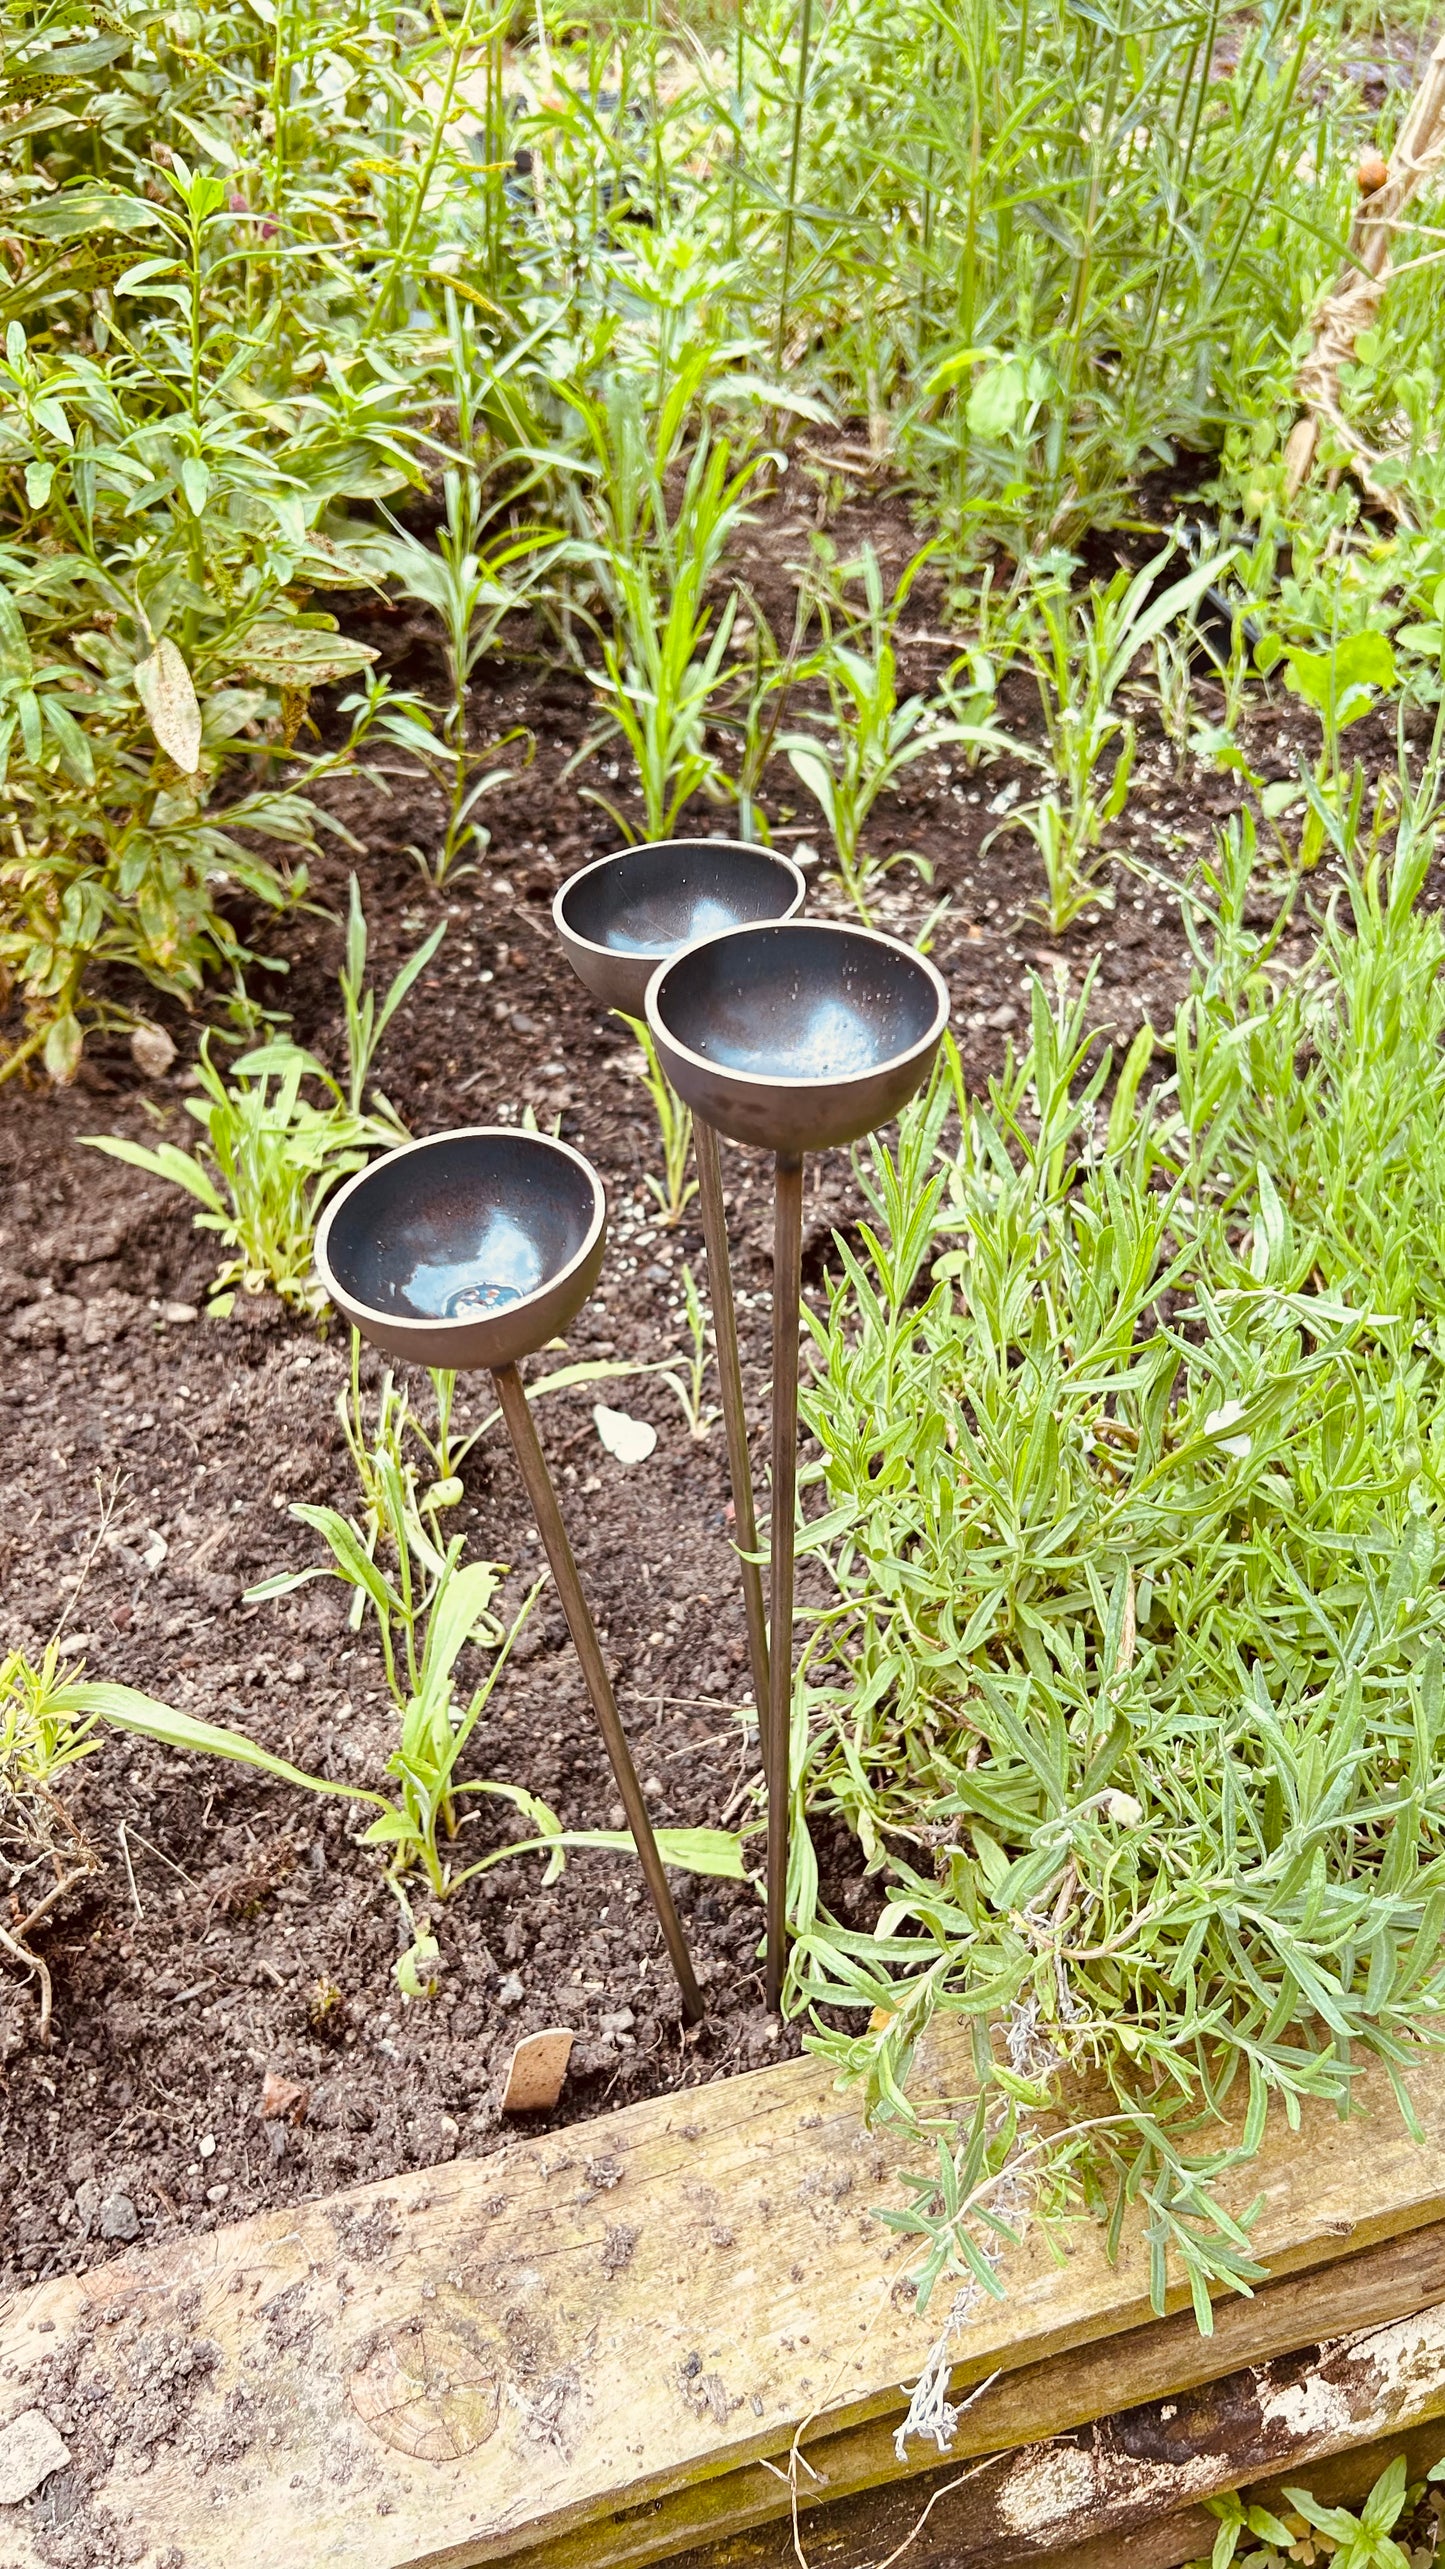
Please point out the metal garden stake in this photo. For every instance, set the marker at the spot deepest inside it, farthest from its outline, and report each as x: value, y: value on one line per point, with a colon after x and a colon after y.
x: 796, y: 1037
x: 471, y: 1250
x: 617, y: 920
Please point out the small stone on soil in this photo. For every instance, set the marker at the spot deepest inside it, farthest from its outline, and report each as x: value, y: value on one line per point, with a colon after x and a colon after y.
x: 30, y: 2449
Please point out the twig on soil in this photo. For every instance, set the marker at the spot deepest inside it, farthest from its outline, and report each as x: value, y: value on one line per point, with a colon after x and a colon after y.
x: 57, y: 1891
x: 945, y: 2492
x: 33, y: 1963
x: 129, y: 1868
x: 162, y: 1858
x: 109, y: 1501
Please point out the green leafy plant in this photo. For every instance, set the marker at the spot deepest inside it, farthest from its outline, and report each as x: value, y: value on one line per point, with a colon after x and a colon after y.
x: 1340, y: 685
x: 1347, y: 2540
x: 674, y: 1190
x: 1132, y: 1678
x: 1081, y: 650
x: 220, y: 325
x: 872, y: 738
x: 270, y: 1157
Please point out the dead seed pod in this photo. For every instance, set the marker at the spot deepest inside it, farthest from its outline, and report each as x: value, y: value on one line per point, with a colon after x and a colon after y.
x: 1372, y: 173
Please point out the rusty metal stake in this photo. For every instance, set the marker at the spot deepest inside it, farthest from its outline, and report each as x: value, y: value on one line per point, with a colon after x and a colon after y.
x: 532, y: 1463
x: 735, y: 1417
x: 787, y: 1302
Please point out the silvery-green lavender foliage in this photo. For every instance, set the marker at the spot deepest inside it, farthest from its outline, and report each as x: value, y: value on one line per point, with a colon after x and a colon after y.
x: 1133, y: 1679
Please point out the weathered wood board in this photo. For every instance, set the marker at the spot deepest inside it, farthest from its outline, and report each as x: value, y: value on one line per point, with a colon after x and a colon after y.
x: 1169, y: 2541
x: 470, y: 2364
x: 1125, y: 2475
x: 1181, y: 2405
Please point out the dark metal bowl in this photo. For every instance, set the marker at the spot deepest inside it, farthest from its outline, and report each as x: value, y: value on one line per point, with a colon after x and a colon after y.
x: 472, y: 1248
x: 621, y: 915
x: 797, y: 1036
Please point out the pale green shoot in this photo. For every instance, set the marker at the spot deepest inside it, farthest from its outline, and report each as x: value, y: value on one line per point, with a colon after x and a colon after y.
x: 675, y: 1190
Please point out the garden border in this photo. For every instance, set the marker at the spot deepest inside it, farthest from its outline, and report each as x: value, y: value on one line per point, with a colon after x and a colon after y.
x: 603, y: 2344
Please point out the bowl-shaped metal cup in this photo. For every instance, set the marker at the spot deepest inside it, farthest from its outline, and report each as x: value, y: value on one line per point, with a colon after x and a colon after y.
x: 797, y: 1036
x: 470, y: 1249
x: 620, y: 916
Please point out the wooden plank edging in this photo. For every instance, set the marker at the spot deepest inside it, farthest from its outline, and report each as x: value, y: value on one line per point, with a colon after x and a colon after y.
x: 1111, y: 2443
x: 476, y: 2362
x: 856, y: 2504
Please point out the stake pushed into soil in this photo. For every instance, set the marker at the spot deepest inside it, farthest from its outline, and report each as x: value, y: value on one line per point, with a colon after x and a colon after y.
x: 537, y: 1480
x: 735, y: 1416
x: 471, y: 1250
x: 797, y: 1037
x: 777, y: 1763
x: 617, y: 920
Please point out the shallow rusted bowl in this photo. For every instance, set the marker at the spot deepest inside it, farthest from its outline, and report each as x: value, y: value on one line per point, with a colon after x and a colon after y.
x: 797, y: 1036
x: 623, y: 914
x: 472, y: 1248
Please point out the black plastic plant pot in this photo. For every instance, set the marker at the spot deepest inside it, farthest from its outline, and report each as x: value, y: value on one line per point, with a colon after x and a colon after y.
x: 623, y: 914
x: 469, y: 1249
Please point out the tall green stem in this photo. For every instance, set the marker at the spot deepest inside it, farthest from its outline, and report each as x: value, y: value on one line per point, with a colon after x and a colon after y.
x: 795, y: 153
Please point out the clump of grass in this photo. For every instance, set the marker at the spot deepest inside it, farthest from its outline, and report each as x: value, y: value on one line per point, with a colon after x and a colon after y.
x: 43, y: 1852
x: 1132, y: 1682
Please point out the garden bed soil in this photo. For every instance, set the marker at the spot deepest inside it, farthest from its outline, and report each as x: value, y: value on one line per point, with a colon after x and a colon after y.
x: 233, y: 1929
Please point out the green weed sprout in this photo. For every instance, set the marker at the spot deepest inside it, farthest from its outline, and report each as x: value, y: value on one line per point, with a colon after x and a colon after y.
x: 270, y: 1157
x: 429, y: 1608
x: 1081, y: 651
x: 269, y: 1160
x: 43, y: 1854
x: 688, y: 1387
x: 472, y: 588
x: 674, y: 1190
x: 1363, y: 2541
x: 663, y: 662
x: 366, y: 1022
x: 872, y: 738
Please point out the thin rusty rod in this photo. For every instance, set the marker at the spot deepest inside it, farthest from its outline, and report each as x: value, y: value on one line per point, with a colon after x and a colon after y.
x: 787, y: 1304
x: 735, y: 1417
x: 532, y: 1463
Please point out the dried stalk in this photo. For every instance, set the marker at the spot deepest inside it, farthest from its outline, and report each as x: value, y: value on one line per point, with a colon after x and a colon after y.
x: 1354, y: 299
x: 33, y: 1963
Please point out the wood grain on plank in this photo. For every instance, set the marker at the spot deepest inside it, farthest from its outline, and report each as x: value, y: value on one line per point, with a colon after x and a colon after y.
x: 858, y: 2504
x: 1125, y: 2479
x: 450, y: 2368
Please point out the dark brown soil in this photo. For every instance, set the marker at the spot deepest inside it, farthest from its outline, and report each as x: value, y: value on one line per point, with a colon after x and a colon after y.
x: 233, y: 1926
